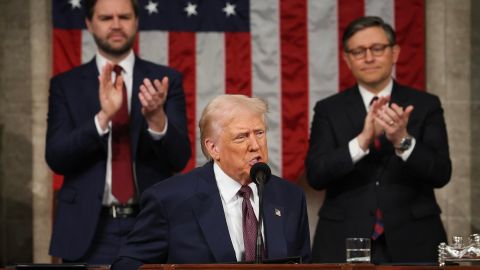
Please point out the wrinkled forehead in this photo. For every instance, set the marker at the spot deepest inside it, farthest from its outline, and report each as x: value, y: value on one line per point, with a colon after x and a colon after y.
x: 240, y: 119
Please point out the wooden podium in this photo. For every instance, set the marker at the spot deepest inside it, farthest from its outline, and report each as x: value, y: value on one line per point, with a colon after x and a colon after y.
x: 301, y: 267
x: 280, y: 267
x: 258, y: 266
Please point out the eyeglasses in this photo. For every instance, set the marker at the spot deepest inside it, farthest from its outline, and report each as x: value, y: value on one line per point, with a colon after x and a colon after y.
x: 375, y: 49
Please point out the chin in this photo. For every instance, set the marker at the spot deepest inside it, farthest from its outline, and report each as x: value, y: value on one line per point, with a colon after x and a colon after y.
x: 372, y: 81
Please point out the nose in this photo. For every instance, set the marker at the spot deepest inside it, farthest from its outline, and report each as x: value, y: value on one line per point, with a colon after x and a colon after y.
x: 254, y: 145
x: 115, y: 22
x: 368, y: 55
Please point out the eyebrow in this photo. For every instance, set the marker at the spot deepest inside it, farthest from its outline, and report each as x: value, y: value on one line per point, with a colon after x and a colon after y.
x: 109, y: 15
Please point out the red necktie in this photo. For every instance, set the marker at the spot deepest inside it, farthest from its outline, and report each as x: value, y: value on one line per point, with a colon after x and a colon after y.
x: 122, y: 174
x: 378, y: 226
x: 249, y: 222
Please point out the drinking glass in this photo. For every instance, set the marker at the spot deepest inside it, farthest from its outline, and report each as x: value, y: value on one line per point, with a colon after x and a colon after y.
x: 358, y: 250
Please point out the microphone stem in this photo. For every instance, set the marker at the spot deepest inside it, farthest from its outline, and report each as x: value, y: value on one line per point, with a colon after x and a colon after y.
x: 259, y: 240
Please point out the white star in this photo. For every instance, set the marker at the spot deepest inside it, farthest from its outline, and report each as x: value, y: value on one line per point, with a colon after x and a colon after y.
x: 75, y: 4
x: 191, y: 9
x: 229, y: 9
x: 151, y: 7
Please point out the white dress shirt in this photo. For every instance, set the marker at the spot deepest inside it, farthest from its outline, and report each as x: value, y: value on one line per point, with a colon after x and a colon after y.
x: 232, y: 207
x: 356, y: 152
x: 127, y: 73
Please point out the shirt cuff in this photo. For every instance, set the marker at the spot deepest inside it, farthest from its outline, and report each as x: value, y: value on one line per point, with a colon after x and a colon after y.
x: 156, y: 136
x: 100, y: 131
x: 356, y: 152
x: 406, y: 154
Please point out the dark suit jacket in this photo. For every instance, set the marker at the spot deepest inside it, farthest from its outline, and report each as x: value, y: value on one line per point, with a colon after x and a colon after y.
x: 75, y: 150
x: 182, y: 221
x: 404, y: 191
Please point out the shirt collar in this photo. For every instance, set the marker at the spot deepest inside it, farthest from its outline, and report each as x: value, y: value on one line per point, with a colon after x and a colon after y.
x: 367, y: 95
x: 227, y: 186
x: 126, y: 64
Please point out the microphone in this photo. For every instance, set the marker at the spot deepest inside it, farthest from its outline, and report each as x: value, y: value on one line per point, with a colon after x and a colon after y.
x: 260, y: 174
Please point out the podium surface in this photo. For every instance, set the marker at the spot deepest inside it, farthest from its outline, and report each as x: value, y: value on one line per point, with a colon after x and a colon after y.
x: 302, y: 267
x: 290, y: 266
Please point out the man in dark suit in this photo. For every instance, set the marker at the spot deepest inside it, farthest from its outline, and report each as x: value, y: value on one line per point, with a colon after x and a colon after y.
x: 379, y: 162
x: 198, y: 217
x: 111, y: 135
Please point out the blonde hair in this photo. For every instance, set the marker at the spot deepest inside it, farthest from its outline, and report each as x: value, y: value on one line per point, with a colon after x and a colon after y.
x: 221, y: 110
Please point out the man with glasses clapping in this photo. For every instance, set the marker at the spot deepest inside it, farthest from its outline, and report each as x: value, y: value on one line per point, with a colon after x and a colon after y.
x: 378, y: 149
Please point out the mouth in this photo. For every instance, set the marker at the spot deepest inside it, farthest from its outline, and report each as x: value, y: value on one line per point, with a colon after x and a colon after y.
x: 117, y: 36
x: 254, y: 160
x: 370, y: 69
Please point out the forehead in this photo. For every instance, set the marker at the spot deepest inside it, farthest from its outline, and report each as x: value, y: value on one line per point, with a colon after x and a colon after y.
x: 113, y: 7
x: 245, y: 120
x: 368, y: 36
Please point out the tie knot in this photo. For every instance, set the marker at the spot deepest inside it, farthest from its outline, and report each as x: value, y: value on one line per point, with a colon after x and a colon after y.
x: 373, y: 100
x: 245, y: 192
x: 118, y: 70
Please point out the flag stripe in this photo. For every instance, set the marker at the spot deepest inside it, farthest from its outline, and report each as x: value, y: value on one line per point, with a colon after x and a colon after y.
x: 264, y: 21
x: 238, y: 62
x: 88, y: 46
x: 381, y: 8
x: 210, y: 69
x: 410, y: 29
x: 348, y: 10
x: 182, y: 55
x: 294, y: 71
x: 67, y: 49
x: 322, y: 51
x: 153, y: 45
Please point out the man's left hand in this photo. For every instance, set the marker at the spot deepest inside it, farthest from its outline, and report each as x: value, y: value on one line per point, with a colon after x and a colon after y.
x: 394, y: 120
x: 152, y: 97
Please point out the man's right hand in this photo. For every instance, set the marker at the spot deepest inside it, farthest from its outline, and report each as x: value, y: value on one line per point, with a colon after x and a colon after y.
x: 110, y: 95
x: 371, y: 129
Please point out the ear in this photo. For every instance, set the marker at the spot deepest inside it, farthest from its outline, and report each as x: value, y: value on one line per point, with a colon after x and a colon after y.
x: 212, y: 148
x: 396, y: 53
x: 346, y: 59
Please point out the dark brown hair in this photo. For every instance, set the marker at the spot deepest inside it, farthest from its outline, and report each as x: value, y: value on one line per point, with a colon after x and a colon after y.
x: 366, y: 22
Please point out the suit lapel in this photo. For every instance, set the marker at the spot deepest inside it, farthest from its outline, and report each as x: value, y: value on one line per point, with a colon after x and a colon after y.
x: 398, y: 96
x: 88, y: 97
x: 273, y: 215
x: 355, y: 108
x: 209, y: 212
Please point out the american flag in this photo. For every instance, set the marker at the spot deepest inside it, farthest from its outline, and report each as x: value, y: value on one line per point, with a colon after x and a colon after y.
x: 287, y: 52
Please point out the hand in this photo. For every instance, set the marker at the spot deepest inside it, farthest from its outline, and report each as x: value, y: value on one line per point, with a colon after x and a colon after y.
x: 371, y: 129
x: 110, y: 95
x: 374, y: 108
x: 394, y: 120
x: 153, y: 97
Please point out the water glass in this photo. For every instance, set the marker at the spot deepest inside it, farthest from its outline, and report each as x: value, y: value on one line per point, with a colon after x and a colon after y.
x: 358, y: 250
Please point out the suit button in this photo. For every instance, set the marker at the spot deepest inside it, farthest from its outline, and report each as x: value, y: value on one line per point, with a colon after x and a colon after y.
x: 377, y: 183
